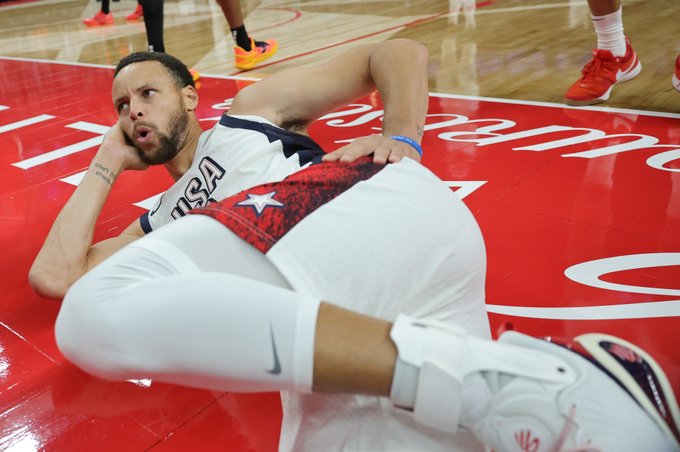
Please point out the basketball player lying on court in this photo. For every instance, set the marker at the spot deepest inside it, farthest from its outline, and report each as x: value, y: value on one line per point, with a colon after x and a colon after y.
x: 236, y: 295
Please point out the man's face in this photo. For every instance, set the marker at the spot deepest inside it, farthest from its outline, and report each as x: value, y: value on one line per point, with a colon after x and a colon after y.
x: 151, y: 111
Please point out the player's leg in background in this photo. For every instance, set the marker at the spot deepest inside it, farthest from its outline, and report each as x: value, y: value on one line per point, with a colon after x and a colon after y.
x: 153, y: 23
x: 137, y: 13
x: 247, y: 51
x: 614, y: 60
x: 102, y: 17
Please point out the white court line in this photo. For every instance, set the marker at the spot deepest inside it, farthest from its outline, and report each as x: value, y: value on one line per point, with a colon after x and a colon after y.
x: 627, y: 111
x: 74, y: 179
x: 465, y: 187
x: 24, y: 122
x: 433, y: 94
x: 650, y: 309
x: 33, y: 4
x: 148, y: 203
x: 106, y: 66
x: 202, y: 13
x: 67, y: 150
x: 65, y: 63
x: 89, y: 127
x: 59, y: 153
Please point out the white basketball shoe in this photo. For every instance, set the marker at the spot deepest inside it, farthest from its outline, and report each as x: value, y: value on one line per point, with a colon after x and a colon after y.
x: 529, y: 395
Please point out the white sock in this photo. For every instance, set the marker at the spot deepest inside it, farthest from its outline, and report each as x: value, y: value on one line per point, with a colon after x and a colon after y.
x: 609, y: 29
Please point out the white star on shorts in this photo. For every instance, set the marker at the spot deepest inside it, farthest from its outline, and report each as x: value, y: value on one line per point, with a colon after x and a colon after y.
x: 260, y: 202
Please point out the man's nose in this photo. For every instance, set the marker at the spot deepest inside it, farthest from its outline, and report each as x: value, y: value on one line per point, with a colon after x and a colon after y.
x: 136, y: 112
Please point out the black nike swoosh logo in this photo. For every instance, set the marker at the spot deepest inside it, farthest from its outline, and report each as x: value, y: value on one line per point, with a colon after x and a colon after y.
x: 277, y: 365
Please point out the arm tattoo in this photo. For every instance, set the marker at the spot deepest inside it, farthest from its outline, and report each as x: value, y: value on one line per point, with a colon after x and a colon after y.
x: 419, y: 131
x: 107, y: 175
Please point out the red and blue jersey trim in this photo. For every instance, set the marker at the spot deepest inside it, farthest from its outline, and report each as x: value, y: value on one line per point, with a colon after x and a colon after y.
x: 262, y: 215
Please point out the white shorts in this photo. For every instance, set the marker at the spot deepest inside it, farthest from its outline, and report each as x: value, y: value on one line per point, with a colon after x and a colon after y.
x: 380, y: 240
x: 395, y: 240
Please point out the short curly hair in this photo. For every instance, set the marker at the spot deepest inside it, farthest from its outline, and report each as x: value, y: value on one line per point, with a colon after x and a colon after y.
x: 178, y: 71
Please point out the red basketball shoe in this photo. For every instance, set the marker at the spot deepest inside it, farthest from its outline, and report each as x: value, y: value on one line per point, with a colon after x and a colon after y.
x: 99, y: 19
x: 599, y: 76
x: 676, y: 76
x: 137, y: 14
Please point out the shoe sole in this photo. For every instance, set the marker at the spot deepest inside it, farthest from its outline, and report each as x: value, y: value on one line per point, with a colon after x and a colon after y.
x: 591, y: 343
x: 598, y: 100
x: 98, y: 24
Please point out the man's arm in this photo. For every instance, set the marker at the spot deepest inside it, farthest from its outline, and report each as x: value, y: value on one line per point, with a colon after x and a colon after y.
x: 296, y: 97
x: 68, y: 252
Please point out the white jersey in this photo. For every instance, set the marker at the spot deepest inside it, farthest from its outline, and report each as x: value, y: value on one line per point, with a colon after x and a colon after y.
x: 237, y: 153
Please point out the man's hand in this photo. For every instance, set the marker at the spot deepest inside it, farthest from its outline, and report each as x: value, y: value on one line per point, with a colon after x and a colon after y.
x: 384, y: 149
x: 117, y: 146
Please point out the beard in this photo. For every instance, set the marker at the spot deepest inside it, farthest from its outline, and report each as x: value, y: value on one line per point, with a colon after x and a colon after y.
x: 169, y: 144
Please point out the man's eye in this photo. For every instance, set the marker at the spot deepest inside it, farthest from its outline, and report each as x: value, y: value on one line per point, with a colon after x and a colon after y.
x: 122, y: 106
x: 149, y: 92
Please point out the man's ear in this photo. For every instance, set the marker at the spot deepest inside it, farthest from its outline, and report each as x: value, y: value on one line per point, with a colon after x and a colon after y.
x: 190, y: 97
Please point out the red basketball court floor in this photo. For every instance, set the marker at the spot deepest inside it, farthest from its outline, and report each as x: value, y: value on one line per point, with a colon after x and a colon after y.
x: 580, y: 209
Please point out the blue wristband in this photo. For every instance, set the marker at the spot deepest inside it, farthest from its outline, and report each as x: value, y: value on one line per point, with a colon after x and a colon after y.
x: 407, y: 140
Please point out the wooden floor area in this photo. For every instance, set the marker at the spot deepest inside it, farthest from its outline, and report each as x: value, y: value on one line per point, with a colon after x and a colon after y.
x: 515, y: 49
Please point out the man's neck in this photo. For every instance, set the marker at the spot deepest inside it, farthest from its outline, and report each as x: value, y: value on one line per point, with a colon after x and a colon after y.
x: 185, y: 157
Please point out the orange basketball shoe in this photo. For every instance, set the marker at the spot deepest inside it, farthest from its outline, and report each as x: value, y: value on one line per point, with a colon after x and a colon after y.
x: 247, y: 60
x: 599, y: 76
x: 99, y: 19
x: 676, y: 76
x: 195, y: 74
x: 137, y: 14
